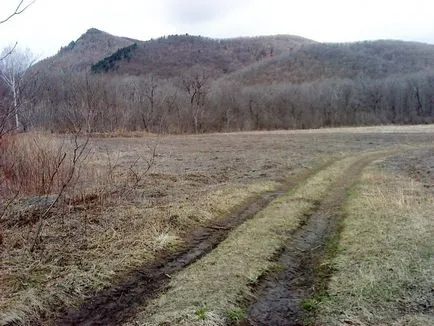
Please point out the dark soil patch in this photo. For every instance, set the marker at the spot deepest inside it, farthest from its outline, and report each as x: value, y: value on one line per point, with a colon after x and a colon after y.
x: 419, y: 165
x: 117, y: 303
x: 288, y: 296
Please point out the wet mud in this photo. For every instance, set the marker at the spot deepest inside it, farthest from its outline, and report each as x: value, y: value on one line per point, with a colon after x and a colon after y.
x: 279, y: 297
x: 117, y: 303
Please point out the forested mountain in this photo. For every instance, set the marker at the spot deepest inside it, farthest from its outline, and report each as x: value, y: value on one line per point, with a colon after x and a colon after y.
x: 184, y: 83
x: 369, y: 59
x: 169, y: 56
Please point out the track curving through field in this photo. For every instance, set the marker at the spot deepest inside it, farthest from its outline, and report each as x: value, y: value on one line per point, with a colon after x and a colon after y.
x: 119, y: 302
x: 279, y: 296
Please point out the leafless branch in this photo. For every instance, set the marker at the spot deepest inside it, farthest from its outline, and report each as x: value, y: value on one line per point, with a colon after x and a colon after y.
x: 77, y: 156
x: 4, y: 118
x: 9, y: 52
x: 18, y: 10
x: 138, y: 176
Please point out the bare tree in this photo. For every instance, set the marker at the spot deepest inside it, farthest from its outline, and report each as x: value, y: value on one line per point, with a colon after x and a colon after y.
x: 226, y: 102
x: 196, y: 88
x: 5, y: 112
x: 12, y: 72
x: 145, y: 94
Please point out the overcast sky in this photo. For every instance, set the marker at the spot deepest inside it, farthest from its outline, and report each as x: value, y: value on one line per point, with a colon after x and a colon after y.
x: 49, y: 24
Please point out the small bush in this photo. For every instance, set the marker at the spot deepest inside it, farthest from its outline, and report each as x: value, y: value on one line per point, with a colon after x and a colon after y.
x: 310, y: 304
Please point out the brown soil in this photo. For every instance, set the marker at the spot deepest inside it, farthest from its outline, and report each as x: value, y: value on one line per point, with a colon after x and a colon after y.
x: 419, y: 165
x: 279, y: 296
x: 115, y: 304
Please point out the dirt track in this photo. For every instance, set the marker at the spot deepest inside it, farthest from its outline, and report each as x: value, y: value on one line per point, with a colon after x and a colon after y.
x: 115, y: 304
x: 279, y: 295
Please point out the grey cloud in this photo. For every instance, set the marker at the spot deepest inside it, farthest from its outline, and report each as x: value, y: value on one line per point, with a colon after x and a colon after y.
x: 199, y: 11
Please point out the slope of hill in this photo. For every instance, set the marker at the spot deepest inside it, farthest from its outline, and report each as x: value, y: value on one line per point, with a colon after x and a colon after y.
x: 248, y: 60
x: 373, y: 59
x: 172, y: 55
x: 79, y: 55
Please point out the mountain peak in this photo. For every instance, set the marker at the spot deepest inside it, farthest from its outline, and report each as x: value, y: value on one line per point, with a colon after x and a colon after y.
x: 94, y: 30
x: 90, y: 47
x: 93, y: 33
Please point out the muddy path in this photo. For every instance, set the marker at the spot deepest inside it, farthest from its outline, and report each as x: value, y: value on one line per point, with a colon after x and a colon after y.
x: 115, y: 304
x: 280, y: 294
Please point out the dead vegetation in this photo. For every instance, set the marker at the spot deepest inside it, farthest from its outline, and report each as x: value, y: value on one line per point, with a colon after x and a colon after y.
x: 120, y: 211
x: 218, y: 283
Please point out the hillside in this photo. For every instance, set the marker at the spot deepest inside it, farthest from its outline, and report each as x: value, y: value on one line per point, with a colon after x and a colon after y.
x: 79, y: 55
x: 166, y: 56
x: 316, y: 61
x: 169, y: 56
x: 247, y: 60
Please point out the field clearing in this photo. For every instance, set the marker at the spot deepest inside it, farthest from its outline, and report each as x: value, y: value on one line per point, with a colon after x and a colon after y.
x: 428, y: 128
x: 194, y: 181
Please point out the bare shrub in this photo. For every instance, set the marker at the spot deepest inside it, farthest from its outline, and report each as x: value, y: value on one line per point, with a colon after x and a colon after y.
x: 109, y: 179
x: 33, y: 164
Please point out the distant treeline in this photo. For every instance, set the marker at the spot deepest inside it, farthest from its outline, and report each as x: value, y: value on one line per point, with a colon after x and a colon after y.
x: 196, y: 104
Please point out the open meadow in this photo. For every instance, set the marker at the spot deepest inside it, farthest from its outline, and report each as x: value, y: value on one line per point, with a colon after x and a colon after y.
x: 160, y: 176
x: 326, y: 226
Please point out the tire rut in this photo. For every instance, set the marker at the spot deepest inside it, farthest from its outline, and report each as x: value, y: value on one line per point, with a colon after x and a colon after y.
x: 115, y: 304
x: 279, y: 295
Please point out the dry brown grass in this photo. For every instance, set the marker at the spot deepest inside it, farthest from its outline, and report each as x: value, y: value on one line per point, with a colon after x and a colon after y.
x: 223, y: 277
x: 97, y: 248
x: 384, y: 267
x: 106, y: 227
x: 384, y: 129
x: 34, y: 163
x: 84, y: 253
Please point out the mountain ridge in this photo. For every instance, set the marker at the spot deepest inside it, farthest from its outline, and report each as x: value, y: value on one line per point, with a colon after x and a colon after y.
x: 246, y: 60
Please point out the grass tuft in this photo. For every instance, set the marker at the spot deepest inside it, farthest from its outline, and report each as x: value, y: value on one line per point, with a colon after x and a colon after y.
x: 309, y: 304
x: 236, y: 315
x: 201, y: 313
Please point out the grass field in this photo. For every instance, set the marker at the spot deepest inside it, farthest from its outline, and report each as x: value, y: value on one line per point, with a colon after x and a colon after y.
x: 116, y: 217
x: 384, y: 267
